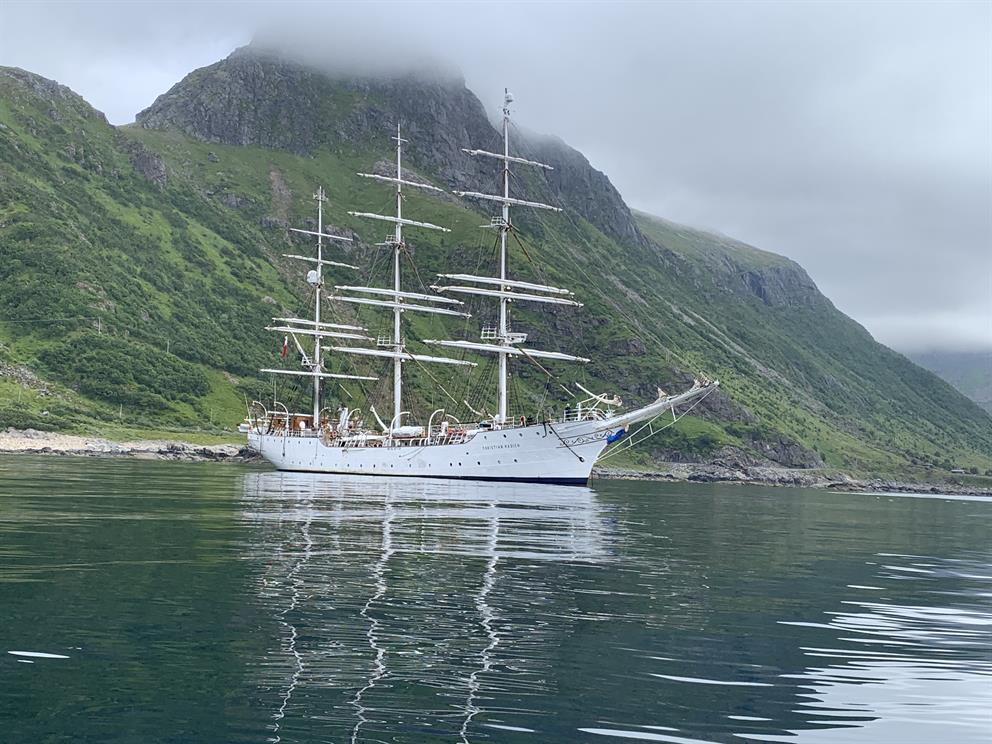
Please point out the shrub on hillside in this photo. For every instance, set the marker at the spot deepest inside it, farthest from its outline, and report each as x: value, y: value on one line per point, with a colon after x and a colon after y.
x: 125, y: 371
x: 19, y: 418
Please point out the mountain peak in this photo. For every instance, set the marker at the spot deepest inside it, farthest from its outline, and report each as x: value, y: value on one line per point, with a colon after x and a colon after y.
x: 57, y: 97
x: 350, y: 60
x: 261, y: 96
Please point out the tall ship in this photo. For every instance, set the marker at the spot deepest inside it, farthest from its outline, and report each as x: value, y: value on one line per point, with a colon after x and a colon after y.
x: 459, y: 440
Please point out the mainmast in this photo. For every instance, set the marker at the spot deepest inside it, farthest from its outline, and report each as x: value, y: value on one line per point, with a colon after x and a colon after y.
x: 320, y: 198
x: 504, y: 229
x: 397, y: 311
x: 504, y: 338
x: 399, y: 301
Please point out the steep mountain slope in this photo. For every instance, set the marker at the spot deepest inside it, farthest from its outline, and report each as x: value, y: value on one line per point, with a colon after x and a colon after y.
x: 809, y: 358
x: 969, y: 372
x: 158, y: 247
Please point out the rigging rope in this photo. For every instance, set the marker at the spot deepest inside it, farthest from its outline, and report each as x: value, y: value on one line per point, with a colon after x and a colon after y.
x: 436, y: 382
x: 546, y: 371
x: 551, y: 426
x: 632, y: 322
x: 628, y: 440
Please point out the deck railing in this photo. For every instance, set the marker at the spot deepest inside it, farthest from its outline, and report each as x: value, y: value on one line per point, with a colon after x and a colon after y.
x: 278, y: 423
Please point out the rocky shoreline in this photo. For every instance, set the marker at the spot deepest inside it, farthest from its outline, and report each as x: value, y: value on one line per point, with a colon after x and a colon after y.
x: 797, y: 478
x: 32, y: 442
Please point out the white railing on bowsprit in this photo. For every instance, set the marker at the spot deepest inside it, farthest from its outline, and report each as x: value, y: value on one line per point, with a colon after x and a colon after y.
x: 582, y: 414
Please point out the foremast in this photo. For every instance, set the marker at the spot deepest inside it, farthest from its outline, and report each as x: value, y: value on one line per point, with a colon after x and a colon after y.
x: 398, y: 311
x: 505, y: 340
x: 504, y: 229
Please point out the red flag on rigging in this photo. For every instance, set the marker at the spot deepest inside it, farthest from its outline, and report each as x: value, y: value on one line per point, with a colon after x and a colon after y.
x: 285, y: 347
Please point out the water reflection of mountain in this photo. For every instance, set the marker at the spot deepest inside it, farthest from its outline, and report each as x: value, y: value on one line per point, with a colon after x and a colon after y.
x: 382, y: 591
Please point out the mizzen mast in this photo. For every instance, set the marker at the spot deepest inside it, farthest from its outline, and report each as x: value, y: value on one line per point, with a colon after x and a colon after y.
x: 315, y: 328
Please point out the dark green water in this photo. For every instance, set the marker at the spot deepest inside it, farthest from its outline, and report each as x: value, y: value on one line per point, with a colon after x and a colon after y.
x: 214, y: 603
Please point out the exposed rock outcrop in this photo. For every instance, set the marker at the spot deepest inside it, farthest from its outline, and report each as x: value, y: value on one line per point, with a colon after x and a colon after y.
x: 257, y: 97
x: 781, y: 285
x: 147, y: 164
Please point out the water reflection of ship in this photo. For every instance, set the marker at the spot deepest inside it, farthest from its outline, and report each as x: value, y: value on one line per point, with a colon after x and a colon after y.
x: 439, y: 638
x: 379, y: 669
x: 487, y: 620
x: 287, y: 621
x: 545, y: 521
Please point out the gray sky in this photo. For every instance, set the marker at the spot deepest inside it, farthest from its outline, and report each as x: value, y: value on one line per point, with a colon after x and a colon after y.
x: 855, y: 138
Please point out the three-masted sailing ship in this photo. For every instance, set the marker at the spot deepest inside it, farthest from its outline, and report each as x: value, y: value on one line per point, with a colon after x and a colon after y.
x: 559, y: 448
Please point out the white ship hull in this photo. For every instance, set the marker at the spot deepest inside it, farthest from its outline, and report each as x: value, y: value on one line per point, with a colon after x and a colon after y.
x: 528, y: 453
x: 557, y: 452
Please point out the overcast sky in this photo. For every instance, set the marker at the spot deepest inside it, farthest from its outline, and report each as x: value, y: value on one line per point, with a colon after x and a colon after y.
x: 855, y: 138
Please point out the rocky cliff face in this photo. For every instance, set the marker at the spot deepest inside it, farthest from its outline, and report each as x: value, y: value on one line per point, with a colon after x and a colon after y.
x: 579, y: 187
x: 258, y: 97
x: 709, y: 260
x: 781, y: 285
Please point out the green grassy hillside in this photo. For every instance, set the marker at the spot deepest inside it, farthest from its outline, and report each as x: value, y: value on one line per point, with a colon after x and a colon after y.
x: 140, y: 264
x: 813, y: 371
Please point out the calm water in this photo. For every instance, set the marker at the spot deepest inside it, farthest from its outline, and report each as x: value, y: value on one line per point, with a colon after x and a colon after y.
x: 214, y: 603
